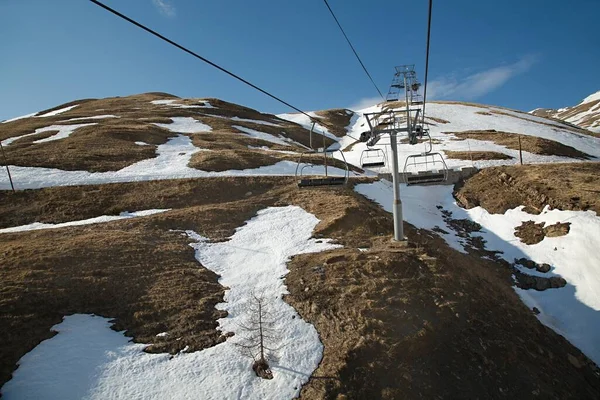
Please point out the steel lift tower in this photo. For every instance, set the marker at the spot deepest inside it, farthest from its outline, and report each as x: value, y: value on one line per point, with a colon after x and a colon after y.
x: 392, y: 121
x: 405, y: 80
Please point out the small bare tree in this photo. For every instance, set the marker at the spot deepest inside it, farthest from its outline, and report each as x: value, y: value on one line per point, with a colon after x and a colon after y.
x: 258, y: 338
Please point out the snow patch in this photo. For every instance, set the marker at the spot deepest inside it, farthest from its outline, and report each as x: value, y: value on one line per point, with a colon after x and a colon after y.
x: 94, y: 117
x: 261, y: 135
x: 254, y: 121
x: 592, y: 97
x: 56, y: 112
x: 96, y: 220
x: 185, y: 125
x: 162, y: 102
x: 18, y: 118
x: 64, y: 131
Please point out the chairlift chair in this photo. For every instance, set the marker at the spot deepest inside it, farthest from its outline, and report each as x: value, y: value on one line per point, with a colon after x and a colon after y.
x: 373, y: 157
x: 435, y: 171
x: 305, y: 180
x: 312, y: 180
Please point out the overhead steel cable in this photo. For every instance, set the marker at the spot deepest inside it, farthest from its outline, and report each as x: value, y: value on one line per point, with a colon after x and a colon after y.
x: 427, y: 60
x: 158, y: 35
x: 353, y: 50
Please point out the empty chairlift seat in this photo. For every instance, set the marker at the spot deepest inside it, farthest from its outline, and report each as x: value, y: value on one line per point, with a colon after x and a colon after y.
x: 373, y: 158
x: 425, y: 169
x: 307, y: 179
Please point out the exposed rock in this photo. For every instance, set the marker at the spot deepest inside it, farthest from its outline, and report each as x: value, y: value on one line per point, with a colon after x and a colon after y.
x: 531, y: 233
x: 530, y: 264
x: 558, y: 229
x: 539, y: 283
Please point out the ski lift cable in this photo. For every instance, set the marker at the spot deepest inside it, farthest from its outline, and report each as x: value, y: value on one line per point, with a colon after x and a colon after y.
x: 158, y: 35
x: 353, y: 50
x: 427, y: 60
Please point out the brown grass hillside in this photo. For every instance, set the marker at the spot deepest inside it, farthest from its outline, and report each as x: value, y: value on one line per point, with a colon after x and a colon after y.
x: 419, y: 321
x: 110, y: 144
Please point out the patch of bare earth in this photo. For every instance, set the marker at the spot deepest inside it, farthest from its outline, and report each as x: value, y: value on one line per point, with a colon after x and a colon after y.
x: 424, y: 322
x: 476, y: 155
x: 572, y: 186
x: 414, y: 321
x: 335, y: 120
x: 531, y: 144
x: 531, y: 233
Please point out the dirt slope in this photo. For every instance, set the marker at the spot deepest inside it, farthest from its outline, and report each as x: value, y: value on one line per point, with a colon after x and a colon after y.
x: 573, y: 186
x: 422, y: 321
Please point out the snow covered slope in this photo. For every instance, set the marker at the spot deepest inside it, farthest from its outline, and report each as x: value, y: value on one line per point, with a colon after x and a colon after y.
x: 455, y: 128
x: 585, y: 114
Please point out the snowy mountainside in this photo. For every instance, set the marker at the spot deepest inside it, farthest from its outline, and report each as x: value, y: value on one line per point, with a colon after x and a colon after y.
x: 585, y: 114
x: 461, y: 130
x: 195, y: 201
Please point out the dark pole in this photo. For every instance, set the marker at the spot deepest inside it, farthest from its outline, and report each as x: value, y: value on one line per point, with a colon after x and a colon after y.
x: 7, y: 169
x: 520, y: 150
x: 427, y: 59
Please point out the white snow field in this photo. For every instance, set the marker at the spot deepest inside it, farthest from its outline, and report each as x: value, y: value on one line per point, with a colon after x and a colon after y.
x: 261, y: 135
x: 18, y: 118
x: 87, y: 360
x: 185, y: 125
x: 56, y: 112
x: 96, y: 220
x: 462, y: 118
x: 64, y: 131
x: 94, y: 117
x: 572, y: 311
x: 254, y: 121
x: 172, y: 103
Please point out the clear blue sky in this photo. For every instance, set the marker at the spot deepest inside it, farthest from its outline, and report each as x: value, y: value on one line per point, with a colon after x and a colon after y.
x: 514, y: 53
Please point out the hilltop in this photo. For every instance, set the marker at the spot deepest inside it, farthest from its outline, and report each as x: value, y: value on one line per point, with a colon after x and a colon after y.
x: 585, y: 114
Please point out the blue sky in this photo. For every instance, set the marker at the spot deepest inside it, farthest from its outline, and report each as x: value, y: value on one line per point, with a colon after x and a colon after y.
x: 514, y: 53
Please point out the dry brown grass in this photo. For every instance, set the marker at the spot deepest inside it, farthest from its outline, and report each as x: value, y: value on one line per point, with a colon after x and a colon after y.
x: 564, y: 186
x: 531, y: 233
x: 438, y: 120
x: 110, y: 144
x: 224, y: 160
x: 476, y: 155
x: 483, y: 113
x: 335, y: 120
x: 531, y: 144
x: 421, y: 321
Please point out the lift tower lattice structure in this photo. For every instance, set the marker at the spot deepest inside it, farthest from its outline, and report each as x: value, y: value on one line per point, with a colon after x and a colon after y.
x: 405, y: 80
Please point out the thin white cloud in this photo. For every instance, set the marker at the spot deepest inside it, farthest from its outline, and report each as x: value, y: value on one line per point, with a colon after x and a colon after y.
x: 476, y: 85
x: 364, y: 103
x: 165, y: 7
